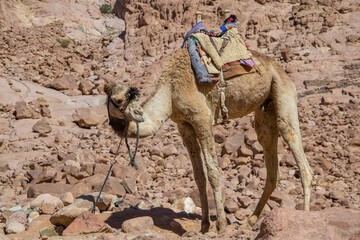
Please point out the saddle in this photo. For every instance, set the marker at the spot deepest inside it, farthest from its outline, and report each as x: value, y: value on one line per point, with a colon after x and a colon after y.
x: 224, y: 53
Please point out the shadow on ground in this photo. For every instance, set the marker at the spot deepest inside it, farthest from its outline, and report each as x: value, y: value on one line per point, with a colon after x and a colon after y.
x: 161, y: 217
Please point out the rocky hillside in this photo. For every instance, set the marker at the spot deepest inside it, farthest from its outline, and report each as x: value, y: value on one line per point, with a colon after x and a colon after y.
x: 56, y: 145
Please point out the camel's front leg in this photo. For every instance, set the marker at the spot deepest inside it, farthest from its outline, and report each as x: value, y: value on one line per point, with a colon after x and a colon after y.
x: 205, y: 136
x: 188, y: 135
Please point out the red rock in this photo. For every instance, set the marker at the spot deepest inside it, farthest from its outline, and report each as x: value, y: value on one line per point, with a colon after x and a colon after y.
x: 286, y: 54
x: 112, y: 186
x: 68, y: 214
x: 42, y: 127
x: 65, y: 82
x: 327, y: 100
x: 244, y: 151
x: 80, y: 188
x: 233, y: 142
x: 231, y: 206
x: 138, y: 225
x: 243, y: 173
x: 324, y: 164
x: 56, y: 189
x: 333, y: 223
x: 67, y: 198
x: 87, y: 223
x: 88, y: 117
x: 86, y: 87
x: 22, y: 111
x: 244, y: 201
x: 45, y: 176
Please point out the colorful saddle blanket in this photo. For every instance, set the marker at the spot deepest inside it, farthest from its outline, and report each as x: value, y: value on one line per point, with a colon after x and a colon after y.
x: 224, y: 53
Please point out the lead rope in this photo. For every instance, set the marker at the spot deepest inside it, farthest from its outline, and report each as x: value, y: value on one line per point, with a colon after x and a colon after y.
x: 132, y: 160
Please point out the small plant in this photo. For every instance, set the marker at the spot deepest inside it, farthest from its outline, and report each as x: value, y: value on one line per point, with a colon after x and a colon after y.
x: 106, y: 9
x: 63, y: 43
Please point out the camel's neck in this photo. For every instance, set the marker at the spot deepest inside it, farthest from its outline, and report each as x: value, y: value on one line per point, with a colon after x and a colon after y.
x: 157, y: 110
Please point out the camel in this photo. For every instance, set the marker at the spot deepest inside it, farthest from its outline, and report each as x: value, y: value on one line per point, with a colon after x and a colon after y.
x: 178, y: 96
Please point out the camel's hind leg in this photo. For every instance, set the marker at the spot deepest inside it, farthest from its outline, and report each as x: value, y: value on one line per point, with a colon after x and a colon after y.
x: 288, y: 124
x: 188, y: 135
x: 267, y: 132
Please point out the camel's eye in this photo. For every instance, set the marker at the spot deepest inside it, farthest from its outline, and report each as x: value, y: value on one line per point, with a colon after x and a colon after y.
x: 118, y: 101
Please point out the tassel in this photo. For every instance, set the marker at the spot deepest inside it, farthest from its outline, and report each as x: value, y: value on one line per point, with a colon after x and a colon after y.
x: 132, y: 93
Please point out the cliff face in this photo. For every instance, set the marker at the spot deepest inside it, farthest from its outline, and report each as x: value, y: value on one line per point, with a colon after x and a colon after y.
x: 311, y: 35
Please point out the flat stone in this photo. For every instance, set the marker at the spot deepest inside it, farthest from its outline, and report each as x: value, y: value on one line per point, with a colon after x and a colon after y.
x: 56, y: 189
x: 233, y: 142
x: 87, y: 223
x: 14, y: 228
x: 138, y: 225
x: 42, y: 127
x: 21, y: 110
x: 332, y: 223
x: 67, y: 198
x: 67, y: 215
x: 51, y: 231
x: 184, y: 204
x: 87, y: 117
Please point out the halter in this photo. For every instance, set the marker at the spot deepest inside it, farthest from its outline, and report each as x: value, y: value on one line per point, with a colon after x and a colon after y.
x: 120, y: 108
x: 131, y: 93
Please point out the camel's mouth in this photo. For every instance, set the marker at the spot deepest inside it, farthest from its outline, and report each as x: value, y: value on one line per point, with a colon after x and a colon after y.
x: 118, y: 124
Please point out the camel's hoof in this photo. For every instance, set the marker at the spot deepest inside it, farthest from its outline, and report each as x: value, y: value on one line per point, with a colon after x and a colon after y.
x: 205, y: 228
x: 245, y: 226
x: 221, y: 229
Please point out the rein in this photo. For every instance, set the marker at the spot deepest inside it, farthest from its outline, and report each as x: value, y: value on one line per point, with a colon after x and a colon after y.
x: 132, y: 156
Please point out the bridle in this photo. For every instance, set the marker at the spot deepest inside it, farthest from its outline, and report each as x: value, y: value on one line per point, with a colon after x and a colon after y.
x: 120, y: 108
x: 131, y: 94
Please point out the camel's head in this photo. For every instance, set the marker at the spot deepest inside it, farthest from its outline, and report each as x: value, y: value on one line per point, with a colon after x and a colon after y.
x: 123, y: 103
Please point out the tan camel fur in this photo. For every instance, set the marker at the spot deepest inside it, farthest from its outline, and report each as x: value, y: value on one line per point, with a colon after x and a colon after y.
x: 272, y: 95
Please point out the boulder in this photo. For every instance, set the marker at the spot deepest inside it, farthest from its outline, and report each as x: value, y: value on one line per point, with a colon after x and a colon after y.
x: 21, y: 110
x: 42, y: 127
x: 65, y: 82
x: 87, y: 117
x: 51, y: 231
x: 233, y: 142
x: 185, y: 204
x: 45, y: 176
x: 65, y: 216
x: 56, y: 189
x: 112, y: 186
x: 87, y: 223
x: 332, y: 223
x: 138, y: 225
x: 47, y: 203
x: 67, y: 198
x: 80, y: 189
x: 15, y: 223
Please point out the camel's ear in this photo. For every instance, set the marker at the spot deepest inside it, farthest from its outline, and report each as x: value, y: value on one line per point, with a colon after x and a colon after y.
x: 108, y: 89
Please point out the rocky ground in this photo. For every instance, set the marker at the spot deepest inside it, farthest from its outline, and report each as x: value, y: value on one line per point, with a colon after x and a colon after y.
x: 56, y: 145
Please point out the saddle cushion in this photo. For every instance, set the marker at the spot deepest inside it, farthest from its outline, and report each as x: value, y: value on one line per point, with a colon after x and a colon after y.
x: 233, y: 69
x: 234, y: 50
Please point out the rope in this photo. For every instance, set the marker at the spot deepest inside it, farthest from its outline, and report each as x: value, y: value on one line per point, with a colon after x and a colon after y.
x: 107, y: 176
x: 132, y: 159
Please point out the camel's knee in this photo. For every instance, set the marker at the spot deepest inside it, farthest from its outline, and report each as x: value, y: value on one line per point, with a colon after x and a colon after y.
x: 286, y: 131
x: 214, y: 177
